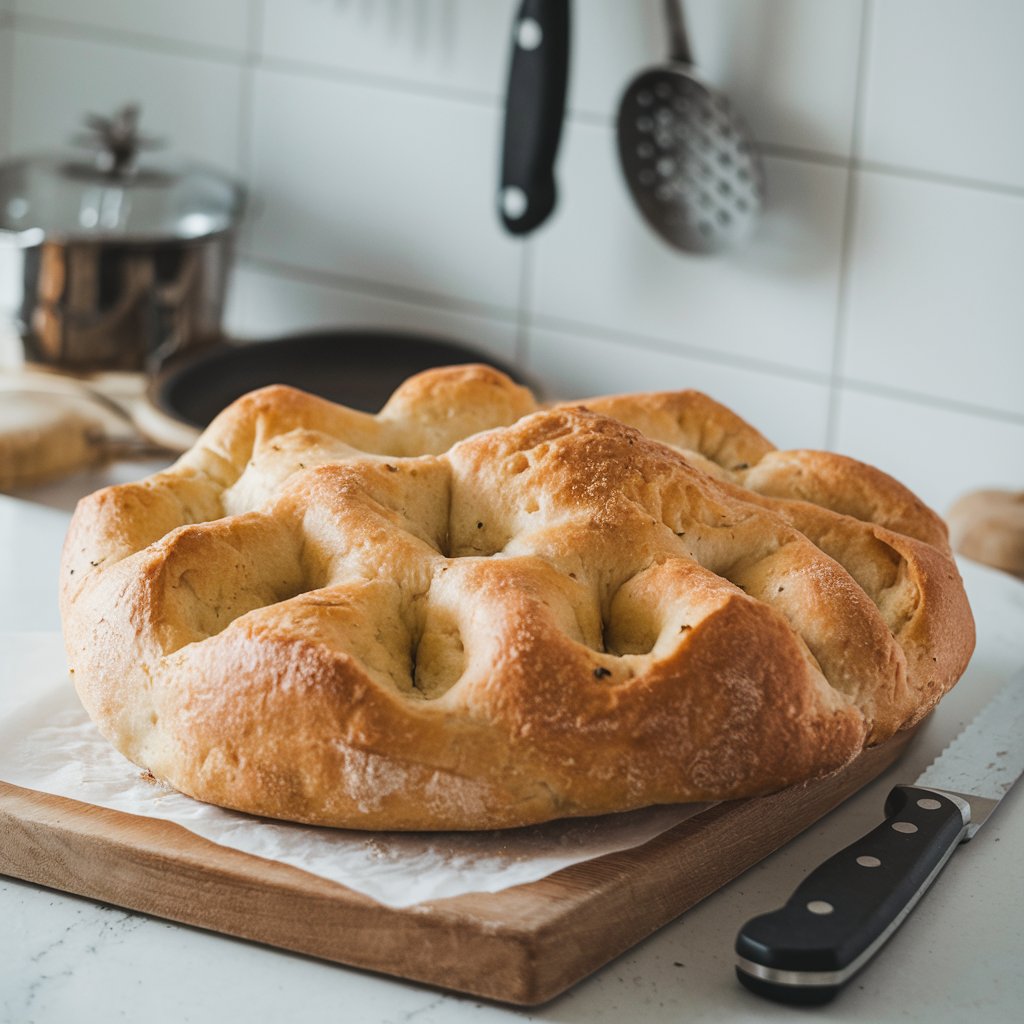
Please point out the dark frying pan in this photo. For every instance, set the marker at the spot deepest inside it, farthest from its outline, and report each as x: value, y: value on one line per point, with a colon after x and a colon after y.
x: 358, y: 368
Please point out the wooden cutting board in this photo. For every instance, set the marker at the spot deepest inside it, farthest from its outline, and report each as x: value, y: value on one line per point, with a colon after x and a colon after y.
x: 524, y: 945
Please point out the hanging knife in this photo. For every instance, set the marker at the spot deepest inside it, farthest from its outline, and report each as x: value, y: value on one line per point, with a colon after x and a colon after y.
x: 844, y: 911
x: 534, y: 110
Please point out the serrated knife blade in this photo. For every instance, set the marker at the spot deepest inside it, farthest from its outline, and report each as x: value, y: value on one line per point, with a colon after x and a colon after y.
x: 986, y: 758
x: 846, y: 909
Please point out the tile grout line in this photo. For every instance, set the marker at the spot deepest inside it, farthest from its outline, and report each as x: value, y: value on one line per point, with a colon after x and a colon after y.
x: 938, y: 178
x: 449, y: 304
x: 522, y: 315
x: 847, y: 241
x: 867, y: 387
x: 625, y: 340
x: 378, y: 289
x: 409, y: 87
x: 468, y: 307
x: 65, y: 28
x: 254, y: 25
x: 524, y: 318
x: 507, y: 314
x: 69, y: 29
x: 823, y: 158
x: 7, y: 80
x: 715, y: 357
x: 738, y: 362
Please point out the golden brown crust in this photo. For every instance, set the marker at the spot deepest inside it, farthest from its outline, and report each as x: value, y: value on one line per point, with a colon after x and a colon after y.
x: 400, y: 622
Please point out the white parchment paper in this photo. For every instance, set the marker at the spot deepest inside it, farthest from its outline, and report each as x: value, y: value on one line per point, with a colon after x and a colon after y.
x: 48, y: 743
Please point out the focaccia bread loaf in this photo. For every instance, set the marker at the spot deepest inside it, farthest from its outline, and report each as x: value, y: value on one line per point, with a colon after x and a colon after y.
x: 467, y: 612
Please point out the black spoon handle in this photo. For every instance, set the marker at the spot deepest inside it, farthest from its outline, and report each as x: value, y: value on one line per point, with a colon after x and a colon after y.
x: 534, y: 111
x: 844, y: 911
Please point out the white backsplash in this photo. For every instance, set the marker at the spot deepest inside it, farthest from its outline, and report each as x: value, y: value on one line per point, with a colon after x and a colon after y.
x: 879, y: 309
x: 6, y: 73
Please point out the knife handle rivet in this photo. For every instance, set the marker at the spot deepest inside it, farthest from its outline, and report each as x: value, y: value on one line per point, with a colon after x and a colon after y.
x: 867, y: 861
x: 529, y: 34
x: 820, y: 907
x: 906, y: 827
x: 514, y: 202
x: 928, y: 804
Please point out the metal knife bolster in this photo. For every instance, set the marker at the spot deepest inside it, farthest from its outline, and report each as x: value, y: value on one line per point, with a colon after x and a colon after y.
x: 975, y: 809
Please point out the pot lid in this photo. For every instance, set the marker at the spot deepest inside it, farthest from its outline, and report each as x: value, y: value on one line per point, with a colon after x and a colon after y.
x: 111, y: 194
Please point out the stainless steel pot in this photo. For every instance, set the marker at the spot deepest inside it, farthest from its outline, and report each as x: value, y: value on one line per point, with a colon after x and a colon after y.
x: 116, y: 264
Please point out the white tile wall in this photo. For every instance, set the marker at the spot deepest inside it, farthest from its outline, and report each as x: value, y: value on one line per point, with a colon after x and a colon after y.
x: 596, y: 262
x: 380, y: 185
x: 6, y: 77
x: 788, y: 65
x: 791, y: 413
x: 941, y: 453
x: 456, y: 44
x: 935, y: 301
x: 192, y: 101
x: 8, y: 261
x: 221, y: 23
x: 878, y: 309
x: 945, y: 87
x: 263, y: 303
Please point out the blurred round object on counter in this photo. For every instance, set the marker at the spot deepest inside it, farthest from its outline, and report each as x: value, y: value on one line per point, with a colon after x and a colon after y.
x: 988, y: 526
x: 44, y: 436
x: 119, y: 261
x: 356, y: 367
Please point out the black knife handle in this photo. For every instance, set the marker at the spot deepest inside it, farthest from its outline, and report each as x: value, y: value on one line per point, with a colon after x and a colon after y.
x: 534, y: 111
x: 844, y: 911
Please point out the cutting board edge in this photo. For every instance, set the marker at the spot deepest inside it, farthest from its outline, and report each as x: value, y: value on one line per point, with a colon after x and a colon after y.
x: 814, y: 799
x: 72, y: 858
x: 523, y: 965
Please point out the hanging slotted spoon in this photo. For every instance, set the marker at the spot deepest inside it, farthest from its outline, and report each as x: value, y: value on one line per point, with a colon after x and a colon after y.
x: 688, y: 158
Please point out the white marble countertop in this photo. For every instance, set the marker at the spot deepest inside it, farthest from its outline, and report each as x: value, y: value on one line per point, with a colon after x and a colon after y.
x: 63, y: 958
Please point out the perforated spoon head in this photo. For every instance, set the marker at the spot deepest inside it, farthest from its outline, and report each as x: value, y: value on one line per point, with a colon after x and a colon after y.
x: 689, y: 161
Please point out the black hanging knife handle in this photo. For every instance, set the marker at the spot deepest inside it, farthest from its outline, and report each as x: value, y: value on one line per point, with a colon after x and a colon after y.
x: 844, y: 911
x: 534, y: 111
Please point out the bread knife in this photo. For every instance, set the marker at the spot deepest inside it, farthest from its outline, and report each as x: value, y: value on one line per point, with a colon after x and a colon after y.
x: 846, y: 909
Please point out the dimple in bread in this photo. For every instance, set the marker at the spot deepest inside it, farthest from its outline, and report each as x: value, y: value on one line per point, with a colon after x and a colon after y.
x: 467, y: 612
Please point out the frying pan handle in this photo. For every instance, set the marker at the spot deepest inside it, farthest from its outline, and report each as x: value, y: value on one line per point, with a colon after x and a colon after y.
x: 534, y: 110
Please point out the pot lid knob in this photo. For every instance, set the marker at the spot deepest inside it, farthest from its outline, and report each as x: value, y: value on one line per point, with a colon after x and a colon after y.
x: 117, y: 193
x: 116, y: 140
